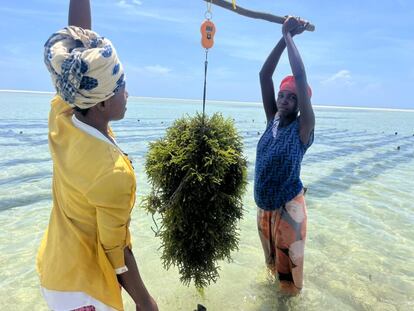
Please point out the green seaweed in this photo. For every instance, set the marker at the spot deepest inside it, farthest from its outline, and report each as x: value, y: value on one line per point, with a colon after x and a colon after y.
x: 198, y: 177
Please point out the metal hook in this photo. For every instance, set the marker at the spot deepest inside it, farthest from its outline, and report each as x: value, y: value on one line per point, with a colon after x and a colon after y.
x: 209, y: 14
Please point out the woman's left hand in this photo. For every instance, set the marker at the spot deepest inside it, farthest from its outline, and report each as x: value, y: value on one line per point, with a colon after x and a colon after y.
x: 294, y: 26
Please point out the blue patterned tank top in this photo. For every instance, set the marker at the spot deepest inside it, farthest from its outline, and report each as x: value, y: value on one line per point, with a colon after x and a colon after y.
x: 278, y: 161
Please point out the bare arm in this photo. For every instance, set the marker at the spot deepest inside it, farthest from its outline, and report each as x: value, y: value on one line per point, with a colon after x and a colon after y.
x: 80, y: 14
x: 307, y: 117
x: 133, y: 284
x: 266, y: 81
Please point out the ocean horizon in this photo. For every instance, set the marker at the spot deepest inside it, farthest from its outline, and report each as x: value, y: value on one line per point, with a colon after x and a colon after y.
x: 228, y: 101
x: 359, y: 174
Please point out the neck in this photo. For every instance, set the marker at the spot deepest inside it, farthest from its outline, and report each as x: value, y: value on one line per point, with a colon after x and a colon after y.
x: 286, y: 120
x: 92, y: 120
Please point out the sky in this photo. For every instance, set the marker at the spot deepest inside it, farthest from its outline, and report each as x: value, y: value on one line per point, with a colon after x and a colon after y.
x: 361, y: 54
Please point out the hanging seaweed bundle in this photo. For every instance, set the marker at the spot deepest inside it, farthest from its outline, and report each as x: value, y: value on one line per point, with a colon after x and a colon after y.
x: 198, y: 177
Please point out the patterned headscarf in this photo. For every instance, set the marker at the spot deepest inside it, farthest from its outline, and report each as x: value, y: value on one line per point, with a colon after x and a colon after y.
x: 85, y: 68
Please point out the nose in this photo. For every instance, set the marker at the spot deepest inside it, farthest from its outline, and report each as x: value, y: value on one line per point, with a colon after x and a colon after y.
x: 283, y: 102
x: 126, y: 94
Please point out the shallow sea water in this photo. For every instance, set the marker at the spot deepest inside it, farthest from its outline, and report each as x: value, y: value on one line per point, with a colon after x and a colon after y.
x: 360, y: 201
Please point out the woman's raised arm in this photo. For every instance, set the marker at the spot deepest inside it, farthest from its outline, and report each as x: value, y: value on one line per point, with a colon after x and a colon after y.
x: 80, y: 14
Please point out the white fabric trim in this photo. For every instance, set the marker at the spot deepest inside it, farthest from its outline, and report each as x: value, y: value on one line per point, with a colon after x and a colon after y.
x: 275, y: 125
x: 95, y: 133
x: 92, y: 131
x: 64, y: 301
x: 121, y: 270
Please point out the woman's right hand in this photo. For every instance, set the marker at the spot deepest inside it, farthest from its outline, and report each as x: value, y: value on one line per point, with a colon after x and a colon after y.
x: 294, y: 26
x: 149, y: 305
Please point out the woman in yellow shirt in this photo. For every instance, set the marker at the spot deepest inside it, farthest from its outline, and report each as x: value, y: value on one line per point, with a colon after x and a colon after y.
x: 86, y: 254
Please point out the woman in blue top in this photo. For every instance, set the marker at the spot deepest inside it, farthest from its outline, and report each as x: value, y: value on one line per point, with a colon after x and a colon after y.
x: 278, y: 190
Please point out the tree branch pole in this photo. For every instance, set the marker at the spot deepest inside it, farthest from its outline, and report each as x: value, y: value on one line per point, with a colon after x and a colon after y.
x: 254, y: 14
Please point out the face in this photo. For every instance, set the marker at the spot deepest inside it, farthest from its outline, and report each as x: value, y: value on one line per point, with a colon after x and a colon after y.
x: 116, y: 105
x: 287, y: 103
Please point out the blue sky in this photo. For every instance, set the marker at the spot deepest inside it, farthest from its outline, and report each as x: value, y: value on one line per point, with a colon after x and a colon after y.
x: 361, y: 54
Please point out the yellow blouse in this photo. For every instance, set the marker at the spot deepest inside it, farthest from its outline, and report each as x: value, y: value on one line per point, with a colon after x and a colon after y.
x: 93, y: 195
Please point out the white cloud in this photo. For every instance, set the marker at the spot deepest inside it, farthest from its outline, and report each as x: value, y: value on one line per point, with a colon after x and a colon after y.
x: 157, y: 69
x: 157, y: 16
x: 342, y: 76
x: 134, y: 8
x: 129, y: 4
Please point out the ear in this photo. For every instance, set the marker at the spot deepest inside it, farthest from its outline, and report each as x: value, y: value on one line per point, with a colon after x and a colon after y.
x: 297, y: 110
x: 101, y: 106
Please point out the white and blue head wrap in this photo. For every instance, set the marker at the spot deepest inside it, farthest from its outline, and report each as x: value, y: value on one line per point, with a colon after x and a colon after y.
x: 85, y: 68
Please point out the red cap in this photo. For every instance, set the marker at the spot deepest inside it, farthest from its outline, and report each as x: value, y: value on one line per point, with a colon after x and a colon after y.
x: 289, y: 84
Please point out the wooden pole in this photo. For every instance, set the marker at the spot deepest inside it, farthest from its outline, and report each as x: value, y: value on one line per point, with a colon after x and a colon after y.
x: 254, y: 14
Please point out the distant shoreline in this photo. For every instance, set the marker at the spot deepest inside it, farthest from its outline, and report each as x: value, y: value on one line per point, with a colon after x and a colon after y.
x: 226, y: 101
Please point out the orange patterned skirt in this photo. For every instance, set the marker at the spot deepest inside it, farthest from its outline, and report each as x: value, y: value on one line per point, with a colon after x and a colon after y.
x: 283, y: 233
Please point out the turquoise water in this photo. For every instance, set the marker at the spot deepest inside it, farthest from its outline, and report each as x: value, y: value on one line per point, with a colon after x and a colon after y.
x: 361, y: 209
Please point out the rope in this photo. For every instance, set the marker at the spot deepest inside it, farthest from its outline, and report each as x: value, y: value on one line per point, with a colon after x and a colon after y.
x: 208, y: 16
x: 205, y: 84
